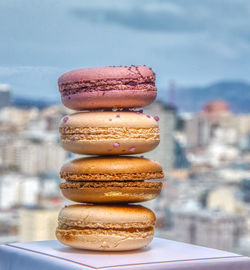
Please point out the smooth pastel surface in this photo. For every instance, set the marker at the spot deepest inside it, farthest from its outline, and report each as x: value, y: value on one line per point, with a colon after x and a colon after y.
x: 107, y: 228
x: 161, y: 254
x: 109, y: 133
x: 106, y: 216
x: 109, y: 99
x: 108, y: 87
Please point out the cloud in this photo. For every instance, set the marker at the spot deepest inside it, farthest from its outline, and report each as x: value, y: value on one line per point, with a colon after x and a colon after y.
x: 152, y: 17
x: 219, y: 18
x: 194, y: 41
x: 10, y: 71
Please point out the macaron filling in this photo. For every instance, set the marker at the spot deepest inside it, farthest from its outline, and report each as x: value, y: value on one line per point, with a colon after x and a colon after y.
x: 114, y: 184
x: 107, y: 133
x: 78, y: 88
x: 105, y: 82
x: 111, y: 176
x: 110, y: 192
x: 134, y: 233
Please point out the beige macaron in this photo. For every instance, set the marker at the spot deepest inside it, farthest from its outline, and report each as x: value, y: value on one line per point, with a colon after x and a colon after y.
x: 109, y: 133
x: 111, y: 179
x: 107, y: 228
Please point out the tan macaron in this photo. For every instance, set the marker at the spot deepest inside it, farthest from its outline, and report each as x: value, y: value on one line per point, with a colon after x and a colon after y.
x: 111, y: 179
x: 109, y: 133
x: 102, y: 227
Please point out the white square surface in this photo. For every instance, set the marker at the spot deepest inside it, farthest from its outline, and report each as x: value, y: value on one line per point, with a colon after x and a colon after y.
x: 160, y: 254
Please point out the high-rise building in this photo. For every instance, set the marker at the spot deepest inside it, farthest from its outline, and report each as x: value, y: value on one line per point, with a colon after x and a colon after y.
x: 8, y: 227
x: 5, y: 96
x: 37, y: 224
x: 32, y: 157
x: 209, y: 228
x: 242, y: 123
x: 41, y: 157
x: 16, y: 190
x: 224, y: 199
x: 198, y: 131
x: 164, y: 153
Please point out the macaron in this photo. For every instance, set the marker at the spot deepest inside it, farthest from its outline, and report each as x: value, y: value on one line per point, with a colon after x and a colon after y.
x: 106, y: 228
x: 109, y: 133
x: 108, y: 87
x: 111, y: 180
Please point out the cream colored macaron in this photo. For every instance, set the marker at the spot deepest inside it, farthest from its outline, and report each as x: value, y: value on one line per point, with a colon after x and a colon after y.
x: 109, y: 133
x: 107, y: 228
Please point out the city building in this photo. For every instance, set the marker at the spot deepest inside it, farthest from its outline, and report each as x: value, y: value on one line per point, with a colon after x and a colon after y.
x: 8, y: 226
x: 31, y: 156
x: 198, y: 131
x: 242, y: 124
x: 37, y: 224
x: 164, y: 153
x: 40, y: 157
x: 219, y: 114
x: 216, y: 122
x: 209, y: 228
x: 17, y: 190
x: 245, y: 189
x: 53, y: 114
x: 19, y: 118
x: 5, y: 95
x: 216, y: 107
x: 180, y: 159
x: 224, y: 199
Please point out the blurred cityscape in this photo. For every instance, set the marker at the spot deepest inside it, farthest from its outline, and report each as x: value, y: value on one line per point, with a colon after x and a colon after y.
x: 205, y: 155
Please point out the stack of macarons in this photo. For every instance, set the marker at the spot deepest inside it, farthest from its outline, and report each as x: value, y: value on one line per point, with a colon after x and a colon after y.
x: 110, y: 127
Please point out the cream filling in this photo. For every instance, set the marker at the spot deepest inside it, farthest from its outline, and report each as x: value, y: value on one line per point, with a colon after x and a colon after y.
x: 106, y: 184
x: 134, y: 232
x: 103, y: 133
x: 112, y: 176
x: 81, y: 85
x: 81, y: 224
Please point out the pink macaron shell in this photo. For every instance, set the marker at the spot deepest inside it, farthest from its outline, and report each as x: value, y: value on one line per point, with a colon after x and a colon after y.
x: 107, y: 73
x: 109, y: 99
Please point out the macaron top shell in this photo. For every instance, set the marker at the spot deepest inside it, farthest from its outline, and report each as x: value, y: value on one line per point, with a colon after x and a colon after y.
x: 105, y: 75
x: 109, y: 119
x: 102, y: 216
x: 109, y: 168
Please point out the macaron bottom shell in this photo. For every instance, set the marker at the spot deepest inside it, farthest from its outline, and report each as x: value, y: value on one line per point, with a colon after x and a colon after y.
x: 109, y: 147
x: 108, y: 99
x: 105, y: 239
x: 110, y: 192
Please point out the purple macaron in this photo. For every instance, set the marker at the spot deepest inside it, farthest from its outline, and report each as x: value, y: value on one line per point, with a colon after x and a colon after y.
x: 108, y: 87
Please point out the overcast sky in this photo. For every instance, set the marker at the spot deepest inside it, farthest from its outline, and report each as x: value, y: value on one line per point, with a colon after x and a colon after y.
x: 193, y: 42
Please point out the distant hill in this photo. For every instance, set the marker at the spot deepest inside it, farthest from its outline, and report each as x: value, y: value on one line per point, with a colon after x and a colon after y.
x: 27, y: 103
x: 236, y: 94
